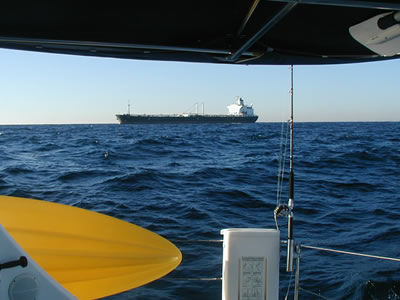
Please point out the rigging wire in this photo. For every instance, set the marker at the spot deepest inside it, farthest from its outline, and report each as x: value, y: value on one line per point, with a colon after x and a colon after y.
x: 315, y: 294
x: 195, y: 241
x: 290, y: 284
x: 192, y: 279
x: 282, y: 160
x: 190, y: 109
x: 351, y: 253
x: 282, y: 163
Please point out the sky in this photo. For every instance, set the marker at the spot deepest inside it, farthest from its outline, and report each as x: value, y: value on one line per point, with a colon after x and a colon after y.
x: 39, y: 88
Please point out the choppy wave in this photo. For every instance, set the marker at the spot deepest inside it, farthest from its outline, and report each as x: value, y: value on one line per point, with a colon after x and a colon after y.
x: 188, y: 182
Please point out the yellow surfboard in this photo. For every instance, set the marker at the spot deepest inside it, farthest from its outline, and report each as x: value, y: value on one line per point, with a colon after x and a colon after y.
x: 90, y: 254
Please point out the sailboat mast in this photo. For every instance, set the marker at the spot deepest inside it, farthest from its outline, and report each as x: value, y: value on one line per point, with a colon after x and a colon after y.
x: 290, y: 244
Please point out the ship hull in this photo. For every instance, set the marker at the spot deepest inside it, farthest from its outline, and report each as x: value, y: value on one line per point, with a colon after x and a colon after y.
x: 177, y: 119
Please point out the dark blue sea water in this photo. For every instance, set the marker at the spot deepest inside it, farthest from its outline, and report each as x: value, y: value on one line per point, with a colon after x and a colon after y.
x: 187, y: 182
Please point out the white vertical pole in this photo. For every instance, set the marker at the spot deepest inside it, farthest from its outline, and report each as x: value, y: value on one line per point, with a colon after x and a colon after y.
x: 297, y: 280
x: 290, y: 244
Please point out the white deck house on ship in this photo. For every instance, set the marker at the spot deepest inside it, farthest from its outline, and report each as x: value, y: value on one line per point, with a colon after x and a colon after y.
x: 240, y: 109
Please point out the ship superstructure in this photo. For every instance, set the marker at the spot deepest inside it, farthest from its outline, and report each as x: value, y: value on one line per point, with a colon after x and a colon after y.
x: 240, y: 109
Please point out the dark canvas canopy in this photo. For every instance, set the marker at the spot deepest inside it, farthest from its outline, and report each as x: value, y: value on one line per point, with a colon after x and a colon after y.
x: 215, y: 31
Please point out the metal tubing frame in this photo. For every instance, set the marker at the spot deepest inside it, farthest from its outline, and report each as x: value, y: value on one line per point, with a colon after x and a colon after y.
x: 248, y: 16
x: 267, y: 27
x: 345, y: 3
x: 44, y: 42
x: 290, y: 4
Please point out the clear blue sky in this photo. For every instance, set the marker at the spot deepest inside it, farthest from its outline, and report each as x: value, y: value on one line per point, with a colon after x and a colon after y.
x: 37, y: 88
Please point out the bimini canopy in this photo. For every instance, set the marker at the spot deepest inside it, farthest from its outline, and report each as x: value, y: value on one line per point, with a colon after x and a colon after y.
x: 213, y: 31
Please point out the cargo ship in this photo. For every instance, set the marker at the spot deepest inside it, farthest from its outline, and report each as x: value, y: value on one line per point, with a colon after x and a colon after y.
x: 237, y: 113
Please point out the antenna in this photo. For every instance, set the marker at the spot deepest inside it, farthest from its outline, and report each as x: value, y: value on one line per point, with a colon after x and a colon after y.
x: 290, y: 244
x: 287, y: 210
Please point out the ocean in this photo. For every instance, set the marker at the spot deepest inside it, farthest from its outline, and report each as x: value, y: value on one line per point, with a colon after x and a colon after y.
x: 187, y: 182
